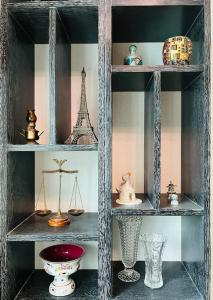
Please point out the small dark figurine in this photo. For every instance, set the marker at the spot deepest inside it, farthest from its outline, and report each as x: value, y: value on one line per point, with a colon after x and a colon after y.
x: 31, y: 134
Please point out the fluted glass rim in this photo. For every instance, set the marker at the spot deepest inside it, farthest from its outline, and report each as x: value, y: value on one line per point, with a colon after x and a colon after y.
x: 153, y: 237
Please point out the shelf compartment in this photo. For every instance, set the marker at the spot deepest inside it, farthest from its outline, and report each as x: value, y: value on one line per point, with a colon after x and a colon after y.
x: 177, y: 284
x: 130, y: 23
x: 186, y: 206
x: 35, y: 228
x: 136, y: 78
x: 144, y: 208
x: 37, y: 286
x: 43, y: 148
x: 127, y: 80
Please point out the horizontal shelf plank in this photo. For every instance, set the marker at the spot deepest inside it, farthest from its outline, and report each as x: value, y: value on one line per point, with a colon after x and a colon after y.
x: 39, y: 148
x: 177, y: 284
x: 153, y: 68
x: 35, y: 228
x: 37, y: 286
x: 156, y: 2
x: 144, y: 208
x: 186, y: 207
x: 47, y: 4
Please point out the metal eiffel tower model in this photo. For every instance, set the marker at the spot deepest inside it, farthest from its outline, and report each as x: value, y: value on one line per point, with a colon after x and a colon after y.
x: 83, y: 126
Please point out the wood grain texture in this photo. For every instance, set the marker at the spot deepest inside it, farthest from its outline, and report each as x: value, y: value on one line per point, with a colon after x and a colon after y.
x: 20, y: 80
x: 152, y: 141
x: 45, y: 148
x: 60, y: 80
x: 156, y: 2
x: 82, y: 228
x: 105, y: 151
x: 153, y: 68
x: 47, y: 4
x: 37, y: 288
x: 207, y: 142
x: 3, y: 140
x: 177, y: 284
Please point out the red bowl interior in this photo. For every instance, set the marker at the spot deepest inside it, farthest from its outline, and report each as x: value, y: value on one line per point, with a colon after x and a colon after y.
x: 61, y: 253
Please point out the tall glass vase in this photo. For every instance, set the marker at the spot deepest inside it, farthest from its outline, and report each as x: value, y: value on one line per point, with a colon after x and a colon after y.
x: 129, y: 227
x: 153, y: 245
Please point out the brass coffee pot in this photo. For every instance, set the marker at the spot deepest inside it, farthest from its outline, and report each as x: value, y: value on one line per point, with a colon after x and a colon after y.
x: 31, y: 134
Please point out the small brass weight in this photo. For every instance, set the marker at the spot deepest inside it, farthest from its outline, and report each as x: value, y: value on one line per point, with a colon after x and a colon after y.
x: 31, y: 134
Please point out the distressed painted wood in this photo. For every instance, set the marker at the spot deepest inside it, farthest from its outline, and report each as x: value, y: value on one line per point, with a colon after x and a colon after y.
x: 177, y: 284
x: 127, y: 22
x: 81, y: 228
x: 207, y: 142
x: 3, y: 141
x: 152, y: 141
x: 37, y: 287
x: 60, y: 80
x: 44, y: 148
x: 153, y: 68
x: 155, y: 2
x: 46, y: 4
x: 105, y: 151
x: 185, y: 208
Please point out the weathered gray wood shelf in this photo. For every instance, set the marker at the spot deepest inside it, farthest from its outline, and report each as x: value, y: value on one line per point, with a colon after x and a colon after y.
x: 36, y: 287
x: 177, y: 283
x: 186, y: 207
x: 60, y: 24
x: 35, y: 228
x: 39, y: 148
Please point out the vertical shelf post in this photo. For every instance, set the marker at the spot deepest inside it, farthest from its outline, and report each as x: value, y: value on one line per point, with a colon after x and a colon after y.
x: 105, y: 145
x: 152, y: 140
x: 60, y: 80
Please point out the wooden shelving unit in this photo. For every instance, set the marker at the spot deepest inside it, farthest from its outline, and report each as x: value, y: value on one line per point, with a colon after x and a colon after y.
x: 59, y: 24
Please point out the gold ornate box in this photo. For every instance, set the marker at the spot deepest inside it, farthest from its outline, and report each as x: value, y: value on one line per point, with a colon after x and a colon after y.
x: 177, y: 50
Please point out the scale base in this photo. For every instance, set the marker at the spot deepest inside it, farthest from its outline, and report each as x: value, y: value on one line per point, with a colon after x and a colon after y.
x: 137, y: 201
x: 58, y: 220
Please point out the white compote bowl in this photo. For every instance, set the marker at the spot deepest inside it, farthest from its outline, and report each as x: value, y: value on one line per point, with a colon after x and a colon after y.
x: 61, y: 261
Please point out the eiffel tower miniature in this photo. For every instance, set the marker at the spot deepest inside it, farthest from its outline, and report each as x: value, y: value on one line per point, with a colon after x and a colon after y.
x: 83, y: 126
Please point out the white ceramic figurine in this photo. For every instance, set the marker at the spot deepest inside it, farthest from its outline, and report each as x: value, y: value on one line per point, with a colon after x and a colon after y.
x: 127, y: 192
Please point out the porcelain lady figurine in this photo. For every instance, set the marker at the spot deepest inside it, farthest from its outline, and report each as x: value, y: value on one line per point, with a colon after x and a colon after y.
x: 133, y: 59
x: 127, y: 192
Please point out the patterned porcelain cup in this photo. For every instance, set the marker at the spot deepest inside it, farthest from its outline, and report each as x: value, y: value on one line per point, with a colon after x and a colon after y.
x: 61, y: 261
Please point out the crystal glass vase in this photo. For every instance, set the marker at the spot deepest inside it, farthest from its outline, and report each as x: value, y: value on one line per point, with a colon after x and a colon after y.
x: 153, y: 245
x: 129, y: 227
